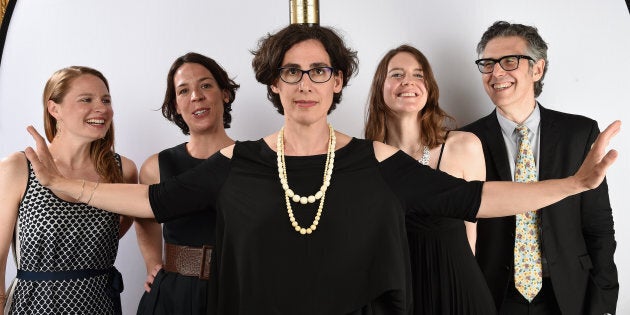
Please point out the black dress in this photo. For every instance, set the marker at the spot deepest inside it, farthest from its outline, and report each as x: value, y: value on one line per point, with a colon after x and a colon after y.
x: 356, y: 262
x: 446, y: 276
x: 172, y: 293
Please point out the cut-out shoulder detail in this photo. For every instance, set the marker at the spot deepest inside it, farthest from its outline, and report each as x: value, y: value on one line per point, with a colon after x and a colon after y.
x: 383, y: 151
x: 227, y: 151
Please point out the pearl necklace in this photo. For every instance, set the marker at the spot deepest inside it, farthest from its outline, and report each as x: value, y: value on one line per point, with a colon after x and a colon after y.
x: 320, y: 195
x: 424, y: 160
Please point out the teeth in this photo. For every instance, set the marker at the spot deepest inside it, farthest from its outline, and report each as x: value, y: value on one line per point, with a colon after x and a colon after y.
x: 504, y: 85
x: 96, y: 121
x: 407, y: 94
x: 199, y: 112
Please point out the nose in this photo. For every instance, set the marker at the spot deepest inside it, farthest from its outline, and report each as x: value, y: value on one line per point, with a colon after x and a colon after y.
x: 498, y: 70
x: 305, y: 82
x: 407, y: 81
x: 100, y: 107
x: 196, y: 95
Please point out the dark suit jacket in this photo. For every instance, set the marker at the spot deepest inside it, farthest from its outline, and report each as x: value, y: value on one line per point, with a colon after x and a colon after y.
x: 578, y: 237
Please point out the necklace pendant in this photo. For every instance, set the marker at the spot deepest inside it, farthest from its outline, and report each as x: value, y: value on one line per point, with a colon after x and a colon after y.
x: 426, y: 157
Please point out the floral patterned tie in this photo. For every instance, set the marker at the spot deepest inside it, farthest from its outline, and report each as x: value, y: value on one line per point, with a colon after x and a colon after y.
x: 527, y: 254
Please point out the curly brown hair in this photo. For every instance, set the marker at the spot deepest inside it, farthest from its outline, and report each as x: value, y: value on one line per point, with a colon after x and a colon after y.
x: 272, y: 48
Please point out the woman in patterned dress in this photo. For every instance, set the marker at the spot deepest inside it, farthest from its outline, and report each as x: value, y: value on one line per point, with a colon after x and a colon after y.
x: 403, y: 111
x: 65, y: 250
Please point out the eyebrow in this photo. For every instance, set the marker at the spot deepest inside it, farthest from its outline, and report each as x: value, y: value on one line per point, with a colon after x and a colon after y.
x: 312, y: 65
x: 401, y: 69
x: 93, y: 95
x: 200, y: 80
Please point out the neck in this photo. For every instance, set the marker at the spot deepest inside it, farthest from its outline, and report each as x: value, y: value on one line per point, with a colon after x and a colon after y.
x: 518, y: 113
x: 301, y: 140
x: 202, y: 146
x: 70, y: 155
x: 404, y: 133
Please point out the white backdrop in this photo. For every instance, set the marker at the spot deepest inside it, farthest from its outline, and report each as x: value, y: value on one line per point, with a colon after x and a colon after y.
x: 134, y: 42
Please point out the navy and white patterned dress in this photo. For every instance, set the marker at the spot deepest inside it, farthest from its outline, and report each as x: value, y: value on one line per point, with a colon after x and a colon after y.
x: 56, y: 236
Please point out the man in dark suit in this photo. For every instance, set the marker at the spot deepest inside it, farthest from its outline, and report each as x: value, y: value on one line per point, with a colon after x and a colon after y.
x: 576, y: 236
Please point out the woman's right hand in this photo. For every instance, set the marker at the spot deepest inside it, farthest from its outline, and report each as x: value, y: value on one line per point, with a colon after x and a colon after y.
x: 151, y: 277
x: 41, y: 160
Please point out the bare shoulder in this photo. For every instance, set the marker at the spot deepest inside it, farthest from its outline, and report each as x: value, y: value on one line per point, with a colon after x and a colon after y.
x: 14, y: 165
x: 151, y: 163
x: 130, y: 171
x: 227, y: 151
x: 463, y: 156
x: 13, y: 176
x: 463, y: 142
x: 150, y: 170
x: 383, y: 151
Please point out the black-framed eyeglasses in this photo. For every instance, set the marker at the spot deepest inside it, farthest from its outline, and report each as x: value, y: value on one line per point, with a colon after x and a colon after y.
x: 293, y: 75
x: 507, y: 63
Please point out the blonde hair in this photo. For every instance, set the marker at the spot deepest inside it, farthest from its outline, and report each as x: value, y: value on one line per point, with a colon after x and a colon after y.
x: 101, y: 150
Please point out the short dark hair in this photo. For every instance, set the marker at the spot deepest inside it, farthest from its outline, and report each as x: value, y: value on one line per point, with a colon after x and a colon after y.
x: 169, y: 106
x: 536, y: 46
x: 272, y: 48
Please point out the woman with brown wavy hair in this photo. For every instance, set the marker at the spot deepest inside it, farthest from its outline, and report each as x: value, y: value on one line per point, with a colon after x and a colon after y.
x: 404, y: 112
x: 65, y: 250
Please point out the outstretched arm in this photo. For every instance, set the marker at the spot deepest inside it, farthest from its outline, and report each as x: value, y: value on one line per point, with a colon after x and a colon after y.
x: 509, y: 198
x: 126, y: 199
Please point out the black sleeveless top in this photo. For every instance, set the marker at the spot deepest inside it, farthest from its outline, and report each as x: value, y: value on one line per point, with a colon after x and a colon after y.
x: 197, y: 229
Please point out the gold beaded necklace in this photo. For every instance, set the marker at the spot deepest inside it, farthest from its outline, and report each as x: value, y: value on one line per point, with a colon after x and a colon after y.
x: 290, y: 195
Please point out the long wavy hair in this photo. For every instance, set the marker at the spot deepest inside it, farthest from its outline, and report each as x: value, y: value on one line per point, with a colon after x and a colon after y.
x: 101, y: 150
x: 433, y: 120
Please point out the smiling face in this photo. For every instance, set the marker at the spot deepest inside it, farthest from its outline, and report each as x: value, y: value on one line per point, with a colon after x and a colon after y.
x: 511, y: 91
x: 404, y: 89
x: 85, y: 111
x: 307, y: 102
x: 199, y: 98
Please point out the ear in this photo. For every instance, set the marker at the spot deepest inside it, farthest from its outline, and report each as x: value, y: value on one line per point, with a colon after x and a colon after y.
x: 338, y: 80
x: 274, y: 87
x: 538, y: 69
x: 53, y: 109
x: 226, y: 96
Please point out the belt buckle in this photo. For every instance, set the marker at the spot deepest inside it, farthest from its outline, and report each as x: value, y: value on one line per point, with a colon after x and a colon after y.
x: 206, y: 252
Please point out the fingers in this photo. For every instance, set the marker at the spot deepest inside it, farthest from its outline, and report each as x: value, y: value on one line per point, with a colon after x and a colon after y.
x: 39, y: 140
x: 604, y: 137
x: 156, y: 269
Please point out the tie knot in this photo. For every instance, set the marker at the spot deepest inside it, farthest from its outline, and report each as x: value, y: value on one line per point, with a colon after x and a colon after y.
x: 522, y: 130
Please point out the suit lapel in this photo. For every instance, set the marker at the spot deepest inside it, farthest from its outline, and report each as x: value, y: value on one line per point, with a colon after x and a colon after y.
x: 496, y: 147
x: 549, y: 138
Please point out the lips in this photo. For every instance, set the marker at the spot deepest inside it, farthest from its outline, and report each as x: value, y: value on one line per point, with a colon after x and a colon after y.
x: 502, y: 85
x: 407, y: 94
x: 95, y: 121
x: 305, y: 103
x: 201, y: 111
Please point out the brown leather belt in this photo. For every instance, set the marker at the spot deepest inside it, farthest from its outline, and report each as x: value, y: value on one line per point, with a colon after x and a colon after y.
x: 188, y: 260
